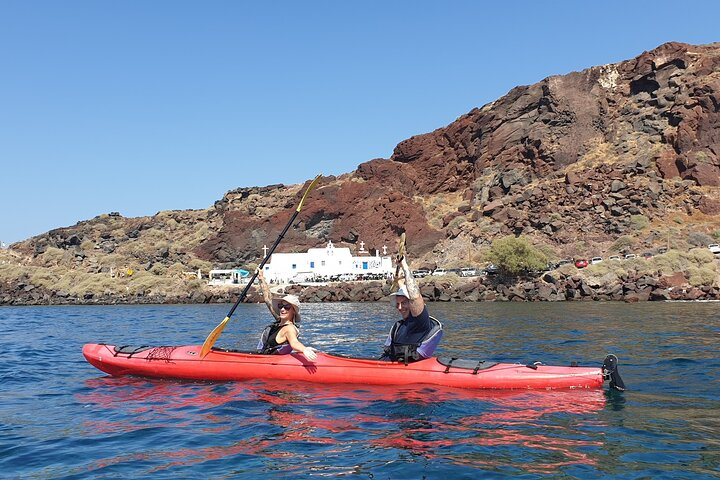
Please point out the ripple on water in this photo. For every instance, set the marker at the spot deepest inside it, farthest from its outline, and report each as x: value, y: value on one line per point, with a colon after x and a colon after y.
x: 61, y: 418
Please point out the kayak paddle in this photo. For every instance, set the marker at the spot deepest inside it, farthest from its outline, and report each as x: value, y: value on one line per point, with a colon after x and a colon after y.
x: 398, y: 259
x: 212, y: 338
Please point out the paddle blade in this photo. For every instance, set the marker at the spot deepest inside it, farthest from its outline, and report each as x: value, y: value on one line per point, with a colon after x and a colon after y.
x: 400, y: 255
x: 212, y: 338
x: 307, y: 191
x: 401, y: 246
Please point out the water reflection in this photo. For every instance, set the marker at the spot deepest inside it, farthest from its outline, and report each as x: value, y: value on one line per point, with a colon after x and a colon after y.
x: 263, y: 421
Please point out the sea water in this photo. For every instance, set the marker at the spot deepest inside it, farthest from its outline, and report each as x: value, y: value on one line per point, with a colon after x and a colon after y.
x: 62, y: 418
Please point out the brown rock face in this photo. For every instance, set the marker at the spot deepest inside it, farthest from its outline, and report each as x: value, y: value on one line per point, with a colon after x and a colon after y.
x: 566, y: 157
x: 374, y: 211
x: 669, y: 96
x: 576, y: 161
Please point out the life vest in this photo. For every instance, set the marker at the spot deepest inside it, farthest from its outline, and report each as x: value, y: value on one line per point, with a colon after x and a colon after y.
x: 412, y: 352
x: 268, y: 345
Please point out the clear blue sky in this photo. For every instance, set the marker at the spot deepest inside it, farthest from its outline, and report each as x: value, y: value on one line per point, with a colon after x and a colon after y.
x: 142, y: 106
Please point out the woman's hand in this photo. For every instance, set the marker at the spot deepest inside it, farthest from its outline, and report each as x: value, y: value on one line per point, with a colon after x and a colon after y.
x: 310, y: 354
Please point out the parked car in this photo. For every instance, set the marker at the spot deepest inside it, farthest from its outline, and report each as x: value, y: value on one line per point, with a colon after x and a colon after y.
x: 714, y: 248
x: 468, y: 272
x: 614, y: 257
x: 491, y: 269
x: 595, y: 260
x: 581, y: 263
x: 629, y: 256
x: 423, y: 272
x: 565, y: 261
x: 439, y: 272
x: 647, y: 255
x: 662, y: 250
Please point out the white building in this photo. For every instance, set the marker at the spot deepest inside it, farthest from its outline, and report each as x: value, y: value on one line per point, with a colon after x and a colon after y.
x: 326, y: 263
x: 228, y: 277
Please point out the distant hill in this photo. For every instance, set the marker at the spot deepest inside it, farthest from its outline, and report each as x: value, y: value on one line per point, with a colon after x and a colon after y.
x: 616, y: 158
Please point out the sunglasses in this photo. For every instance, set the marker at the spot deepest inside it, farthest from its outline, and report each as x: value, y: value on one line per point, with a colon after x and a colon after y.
x: 284, y: 306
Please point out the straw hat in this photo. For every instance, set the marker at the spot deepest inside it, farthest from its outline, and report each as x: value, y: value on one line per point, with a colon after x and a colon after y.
x: 292, y: 300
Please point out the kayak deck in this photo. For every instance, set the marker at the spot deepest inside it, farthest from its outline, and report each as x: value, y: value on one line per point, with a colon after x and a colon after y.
x: 184, y: 362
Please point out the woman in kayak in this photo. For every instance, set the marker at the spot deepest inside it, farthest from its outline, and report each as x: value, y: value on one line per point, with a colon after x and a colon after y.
x: 281, y: 337
x: 417, y: 334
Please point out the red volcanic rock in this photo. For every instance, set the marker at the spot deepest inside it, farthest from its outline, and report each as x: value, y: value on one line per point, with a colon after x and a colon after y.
x: 675, y: 280
x: 669, y: 93
x: 709, y: 206
x: 375, y: 211
x: 667, y: 163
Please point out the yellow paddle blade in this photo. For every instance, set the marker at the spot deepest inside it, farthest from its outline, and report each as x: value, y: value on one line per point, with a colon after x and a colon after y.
x: 308, y: 190
x: 400, y: 255
x: 212, y: 338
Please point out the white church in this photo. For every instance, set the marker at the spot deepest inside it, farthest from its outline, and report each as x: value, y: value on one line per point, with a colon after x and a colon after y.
x: 327, y: 262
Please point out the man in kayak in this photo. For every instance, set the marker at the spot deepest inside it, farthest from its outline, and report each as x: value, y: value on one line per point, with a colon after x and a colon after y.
x: 281, y: 337
x: 417, y: 334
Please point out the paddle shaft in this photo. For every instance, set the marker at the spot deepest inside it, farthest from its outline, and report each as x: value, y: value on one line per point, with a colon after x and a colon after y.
x: 262, y: 264
x: 212, y: 338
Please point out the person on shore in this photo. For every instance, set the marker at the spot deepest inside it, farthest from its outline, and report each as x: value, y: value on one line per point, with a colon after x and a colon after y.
x: 281, y: 336
x: 416, y: 335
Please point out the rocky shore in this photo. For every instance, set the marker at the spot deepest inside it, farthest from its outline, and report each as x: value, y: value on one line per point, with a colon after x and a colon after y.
x: 550, y: 287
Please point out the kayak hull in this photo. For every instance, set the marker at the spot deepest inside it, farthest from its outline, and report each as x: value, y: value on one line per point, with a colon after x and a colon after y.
x: 184, y: 362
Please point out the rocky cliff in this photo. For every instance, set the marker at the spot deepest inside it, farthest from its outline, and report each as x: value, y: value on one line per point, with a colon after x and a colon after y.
x: 568, y: 161
x: 614, y: 158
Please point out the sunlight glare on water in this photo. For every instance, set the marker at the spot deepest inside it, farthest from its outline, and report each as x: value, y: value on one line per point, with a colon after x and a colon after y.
x: 61, y: 418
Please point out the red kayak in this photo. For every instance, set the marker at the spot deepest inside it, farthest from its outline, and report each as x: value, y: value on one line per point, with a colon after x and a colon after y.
x: 184, y: 362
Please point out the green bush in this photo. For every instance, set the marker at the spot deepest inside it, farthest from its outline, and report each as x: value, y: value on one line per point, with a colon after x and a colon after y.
x: 515, y: 255
x: 699, y: 276
x: 671, y: 262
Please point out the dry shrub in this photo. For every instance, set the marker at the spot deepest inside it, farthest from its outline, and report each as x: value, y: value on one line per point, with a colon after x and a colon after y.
x: 699, y: 276
x: 701, y: 256
x: 147, y: 283
x: 176, y: 270
x: 603, y: 268
x: 158, y: 269
x: 95, y: 283
x: 639, y: 222
x: 456, y: 222
x: 10, y: 272
x: 196, y: 263
x: 673, y: 261
x: 699, y: 239
x: 623, y: 243
x: 55, y: 256
x: 50, y: 278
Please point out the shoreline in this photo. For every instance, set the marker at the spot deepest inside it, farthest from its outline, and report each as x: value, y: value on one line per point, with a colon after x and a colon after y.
x: 549, y: 287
